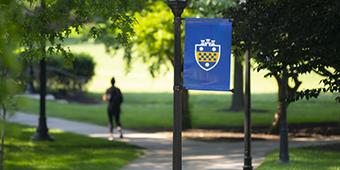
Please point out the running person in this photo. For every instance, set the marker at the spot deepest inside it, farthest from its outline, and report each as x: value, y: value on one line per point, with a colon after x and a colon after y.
x: 115, y: 99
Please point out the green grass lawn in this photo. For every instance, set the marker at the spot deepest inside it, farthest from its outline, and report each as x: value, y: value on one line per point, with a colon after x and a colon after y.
x: 67, y: 152
x: 154, y: 110
x: 148, y: 100
x: 313, y: 158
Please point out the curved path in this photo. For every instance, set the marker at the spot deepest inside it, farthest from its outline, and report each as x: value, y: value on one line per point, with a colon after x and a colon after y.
x: 158, y: 146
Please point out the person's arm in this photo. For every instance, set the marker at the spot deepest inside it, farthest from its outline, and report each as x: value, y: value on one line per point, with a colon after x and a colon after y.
x: 105, y: 97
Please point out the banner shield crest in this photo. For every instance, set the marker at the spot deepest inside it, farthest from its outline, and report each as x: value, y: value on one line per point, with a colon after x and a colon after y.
x: 207, y: 54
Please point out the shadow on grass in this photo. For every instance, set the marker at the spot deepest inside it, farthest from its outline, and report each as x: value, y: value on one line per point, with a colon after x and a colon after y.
x: 256, y: 111
x: 332, y: 147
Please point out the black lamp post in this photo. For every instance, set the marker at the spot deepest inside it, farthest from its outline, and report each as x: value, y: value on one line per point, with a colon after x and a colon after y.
x: 247, y: 120
x: 177, y: 7
x: 42, y: 130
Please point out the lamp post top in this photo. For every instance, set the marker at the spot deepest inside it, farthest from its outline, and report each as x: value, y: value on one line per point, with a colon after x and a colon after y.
x: 177, y: 6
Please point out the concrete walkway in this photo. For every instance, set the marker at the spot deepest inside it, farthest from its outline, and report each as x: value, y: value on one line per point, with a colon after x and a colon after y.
x: 158, y: 154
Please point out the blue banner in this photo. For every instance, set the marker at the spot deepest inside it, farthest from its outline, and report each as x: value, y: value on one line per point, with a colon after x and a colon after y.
x: 207, y: 50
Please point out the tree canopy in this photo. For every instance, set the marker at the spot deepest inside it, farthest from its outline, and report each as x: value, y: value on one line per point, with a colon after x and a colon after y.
x: 52, y: 21
x: 33, y: 28
x: 291, y: 38
x: 154, y: 37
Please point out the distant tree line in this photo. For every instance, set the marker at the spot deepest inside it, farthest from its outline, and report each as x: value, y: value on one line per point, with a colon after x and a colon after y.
x: 64, y: 76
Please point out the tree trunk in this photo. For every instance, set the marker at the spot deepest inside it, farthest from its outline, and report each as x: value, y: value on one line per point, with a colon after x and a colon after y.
x: 283, y: 100
x: 277, y: 117
x: 187, y: 124
x: 280, y: 108
x: 2, y: 145
x: 280, y: 120
x: 237, y: 103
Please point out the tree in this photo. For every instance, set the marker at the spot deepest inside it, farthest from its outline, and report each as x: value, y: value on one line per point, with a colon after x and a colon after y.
x: 9, y: 68
x: 289, y: 42
x: 46, y: 24
x: 321, y: 38
x: 237, y: 100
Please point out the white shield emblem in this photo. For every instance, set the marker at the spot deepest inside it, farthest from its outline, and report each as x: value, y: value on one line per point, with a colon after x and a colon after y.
x: 207, y: 54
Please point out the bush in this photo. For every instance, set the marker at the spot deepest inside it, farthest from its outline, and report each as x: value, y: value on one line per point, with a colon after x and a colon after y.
x: 69, y: 74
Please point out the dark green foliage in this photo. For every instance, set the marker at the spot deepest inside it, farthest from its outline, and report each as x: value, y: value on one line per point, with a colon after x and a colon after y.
x: 72, y: 76
x: 84, y: 66
x: 290, y: 38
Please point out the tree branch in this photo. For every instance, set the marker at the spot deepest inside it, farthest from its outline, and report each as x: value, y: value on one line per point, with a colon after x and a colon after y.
x: 171, y: 59
x: 323, y: 72
x: 292, y: 90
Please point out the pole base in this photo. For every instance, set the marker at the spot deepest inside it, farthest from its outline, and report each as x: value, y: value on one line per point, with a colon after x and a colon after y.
x: 247, y: 167
x: 247, y: 164
x: 284, y: 161
x: 42, y: 137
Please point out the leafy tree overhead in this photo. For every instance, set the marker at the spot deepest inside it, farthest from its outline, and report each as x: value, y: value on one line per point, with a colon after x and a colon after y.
x: 321, y: 39
x: 47, y: 23
x: 53, y: 21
